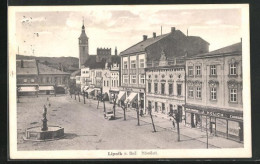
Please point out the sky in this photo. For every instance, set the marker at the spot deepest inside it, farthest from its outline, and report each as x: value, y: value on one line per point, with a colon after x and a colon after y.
x: 55, y: 33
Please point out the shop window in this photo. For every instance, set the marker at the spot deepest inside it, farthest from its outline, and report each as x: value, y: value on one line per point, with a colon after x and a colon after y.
x: 156, y: 106
x: 233, y: 95
x: 213, y: 93
x: 163, y: 108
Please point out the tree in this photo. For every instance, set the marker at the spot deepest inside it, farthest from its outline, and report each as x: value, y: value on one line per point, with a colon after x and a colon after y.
x: 123, y: 106
x: 176, y: 116
x: 150, y: 112
x: 137, y: 112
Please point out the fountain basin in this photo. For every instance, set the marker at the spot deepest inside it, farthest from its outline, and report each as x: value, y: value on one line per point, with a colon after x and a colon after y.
x: 36, y: 134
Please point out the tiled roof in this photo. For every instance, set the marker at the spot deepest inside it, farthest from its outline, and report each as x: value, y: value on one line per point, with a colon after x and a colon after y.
x: 195, y: 39
x: 139, y: 47
x: 93, y: 64
x: 29, y: 67
x: 44, y: 69
x: 234, y: 48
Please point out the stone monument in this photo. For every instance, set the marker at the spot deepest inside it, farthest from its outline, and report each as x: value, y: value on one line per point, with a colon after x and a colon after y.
x: 44, y: 132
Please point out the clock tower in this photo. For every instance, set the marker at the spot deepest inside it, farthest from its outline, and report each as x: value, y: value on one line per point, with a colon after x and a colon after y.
x: 83, y: 47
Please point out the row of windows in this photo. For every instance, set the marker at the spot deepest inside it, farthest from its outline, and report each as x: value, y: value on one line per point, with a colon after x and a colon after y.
x: 133, y: 79
x: 170, y: 88
x: 44, y: 80
x: 213, y: 70
x: 213, y: 93
x: 28, y: 80
x: 162, y: 108
x: 133, y: 64
x: 198, y: 92
x: 114, y: 83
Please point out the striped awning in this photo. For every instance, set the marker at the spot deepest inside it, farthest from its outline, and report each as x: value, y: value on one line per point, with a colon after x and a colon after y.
x: 131, y: 97
x: 27, y: 89
x: 46, y: 88
x: 90, y: 90
x: 121, y: 95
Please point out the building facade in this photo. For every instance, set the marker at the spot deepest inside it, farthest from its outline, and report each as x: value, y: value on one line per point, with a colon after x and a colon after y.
x: 85, y: 80
x: 144, y: 54
x: 40, y: 78
x: 27, y: 77
x: 214, y: 92
x: 165, y: 87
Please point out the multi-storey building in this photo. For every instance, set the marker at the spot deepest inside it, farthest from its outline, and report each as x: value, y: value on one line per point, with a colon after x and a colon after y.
x: 114, y: 78
x: 135, y: 59
x: 214, y: 92
x: 85, y: 80
x: 27, y: 76
x: 33, y: 77
x: 165, y: 86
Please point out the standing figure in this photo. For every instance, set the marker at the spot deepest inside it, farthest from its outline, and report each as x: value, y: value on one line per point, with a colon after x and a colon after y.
x: 44, y: 120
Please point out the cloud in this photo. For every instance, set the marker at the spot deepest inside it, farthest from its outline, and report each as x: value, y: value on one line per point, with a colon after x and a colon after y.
x: 213, y: 22
x: 222, y: 26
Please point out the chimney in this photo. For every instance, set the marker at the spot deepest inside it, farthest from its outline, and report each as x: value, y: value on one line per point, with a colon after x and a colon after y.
x: 172, y: 29
x: 144, y: 37
x: 22, y: 63
x: 154, y: 34
x: 115, y: 51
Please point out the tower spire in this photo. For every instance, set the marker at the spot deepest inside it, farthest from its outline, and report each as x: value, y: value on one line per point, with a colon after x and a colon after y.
x: 83, y: 27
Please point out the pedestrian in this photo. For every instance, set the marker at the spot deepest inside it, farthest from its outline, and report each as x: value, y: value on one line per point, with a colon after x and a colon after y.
x: 173, y: 123
x: 87, y: 95
x: 141, y: 112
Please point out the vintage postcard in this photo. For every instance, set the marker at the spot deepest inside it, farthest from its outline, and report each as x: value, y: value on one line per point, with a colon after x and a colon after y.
x: 129, y: 81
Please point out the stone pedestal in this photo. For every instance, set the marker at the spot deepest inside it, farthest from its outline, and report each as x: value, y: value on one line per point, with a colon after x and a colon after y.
x: 37, y: 134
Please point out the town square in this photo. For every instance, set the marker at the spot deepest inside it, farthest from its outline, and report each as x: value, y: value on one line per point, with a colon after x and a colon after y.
x: 86, y: 80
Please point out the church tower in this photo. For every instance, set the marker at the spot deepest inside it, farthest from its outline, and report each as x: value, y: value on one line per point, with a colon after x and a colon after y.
x: 83, y: 47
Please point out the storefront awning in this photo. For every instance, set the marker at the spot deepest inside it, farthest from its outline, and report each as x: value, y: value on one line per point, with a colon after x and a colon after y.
x: 90, y: 90
x: 97, y: 89
x: 114, y: 90
x: 85, y: 88
x: 46, y: 88
x: 27, y: 89
x: 121, y: 95
x: 131, y: 97
x: 215, y: 109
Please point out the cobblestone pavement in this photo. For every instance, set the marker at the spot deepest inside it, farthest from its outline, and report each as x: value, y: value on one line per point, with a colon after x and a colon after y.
x: 87, y: 129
